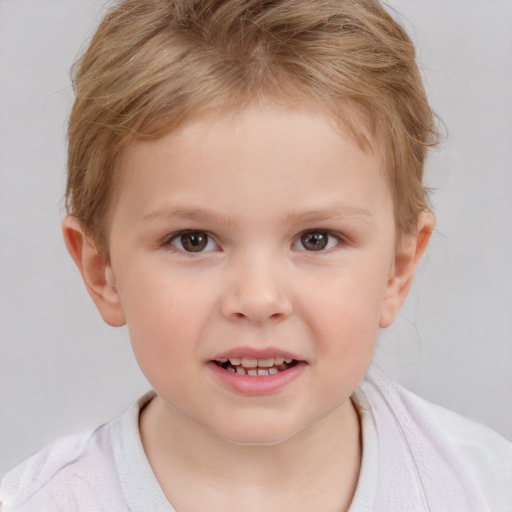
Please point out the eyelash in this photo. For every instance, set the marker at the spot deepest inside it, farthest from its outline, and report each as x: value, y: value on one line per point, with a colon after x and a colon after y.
x: 324, y: 233
x: 301, y: 240
x: 179, y: 237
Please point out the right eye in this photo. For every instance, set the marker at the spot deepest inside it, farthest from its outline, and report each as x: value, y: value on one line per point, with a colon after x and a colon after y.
x: 193, y: 241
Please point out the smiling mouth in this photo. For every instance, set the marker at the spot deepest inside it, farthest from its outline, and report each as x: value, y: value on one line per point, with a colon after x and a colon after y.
x: 250, y: 367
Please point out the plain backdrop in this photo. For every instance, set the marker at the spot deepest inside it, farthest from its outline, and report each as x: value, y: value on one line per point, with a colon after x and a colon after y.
x: 63, y: 370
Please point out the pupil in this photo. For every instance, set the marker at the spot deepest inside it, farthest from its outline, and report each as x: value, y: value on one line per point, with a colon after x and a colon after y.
x: 314, y: 241
x: 194, y: 242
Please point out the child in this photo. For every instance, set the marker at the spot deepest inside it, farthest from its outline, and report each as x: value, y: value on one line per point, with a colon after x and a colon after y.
x: 245, y: 193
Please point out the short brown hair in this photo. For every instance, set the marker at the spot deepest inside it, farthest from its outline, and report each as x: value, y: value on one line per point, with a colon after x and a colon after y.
x: 152, y: 64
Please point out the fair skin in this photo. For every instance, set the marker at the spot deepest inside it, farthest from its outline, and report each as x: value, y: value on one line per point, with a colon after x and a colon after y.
x: 240, y: 241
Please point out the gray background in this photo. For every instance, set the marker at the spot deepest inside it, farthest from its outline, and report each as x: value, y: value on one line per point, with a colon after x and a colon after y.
x: 63, y: 370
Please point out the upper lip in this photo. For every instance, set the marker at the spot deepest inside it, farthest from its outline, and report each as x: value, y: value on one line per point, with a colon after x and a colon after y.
x: 256, y: 353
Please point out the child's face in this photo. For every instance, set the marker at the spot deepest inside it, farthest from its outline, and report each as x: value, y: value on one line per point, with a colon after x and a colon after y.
x: 265, y: 234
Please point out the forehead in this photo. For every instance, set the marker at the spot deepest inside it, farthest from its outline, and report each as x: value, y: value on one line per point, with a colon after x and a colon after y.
x: 262, y: 155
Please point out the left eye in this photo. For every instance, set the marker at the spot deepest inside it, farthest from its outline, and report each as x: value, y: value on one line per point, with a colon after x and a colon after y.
x: 193, y: 241
x: 316, y: 241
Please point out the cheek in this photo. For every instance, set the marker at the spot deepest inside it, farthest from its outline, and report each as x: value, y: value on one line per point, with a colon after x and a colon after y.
x: 165, y: 317
x: 345, y: 313
x: 164, y: 339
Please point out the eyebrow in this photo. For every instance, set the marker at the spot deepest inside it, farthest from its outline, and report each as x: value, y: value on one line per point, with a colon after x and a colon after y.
x: 332, y: 212
x: 178, y: 212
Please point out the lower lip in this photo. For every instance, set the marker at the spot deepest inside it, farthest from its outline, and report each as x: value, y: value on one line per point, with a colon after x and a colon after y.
x: 260, y: 385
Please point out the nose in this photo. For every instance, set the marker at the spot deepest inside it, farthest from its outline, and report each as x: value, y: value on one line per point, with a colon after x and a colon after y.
x: 256, y: 294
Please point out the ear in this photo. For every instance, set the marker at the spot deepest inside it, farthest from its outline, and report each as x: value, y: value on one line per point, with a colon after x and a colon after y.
x: 96, y: 271
x: 407, y: 258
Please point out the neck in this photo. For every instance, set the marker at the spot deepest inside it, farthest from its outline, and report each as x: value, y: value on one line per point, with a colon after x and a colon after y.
x: 185, y: 457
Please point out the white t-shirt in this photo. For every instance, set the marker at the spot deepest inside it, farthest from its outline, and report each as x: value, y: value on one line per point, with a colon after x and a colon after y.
x: 416, y: 457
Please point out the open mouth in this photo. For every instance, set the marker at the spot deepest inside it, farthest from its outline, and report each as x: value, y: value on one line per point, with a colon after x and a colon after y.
x: 256, y: 367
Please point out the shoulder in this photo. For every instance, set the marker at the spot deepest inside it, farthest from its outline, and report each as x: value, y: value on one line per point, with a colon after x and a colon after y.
x: 488, y: 455
x: 73, y: 473
x: 462, y: 444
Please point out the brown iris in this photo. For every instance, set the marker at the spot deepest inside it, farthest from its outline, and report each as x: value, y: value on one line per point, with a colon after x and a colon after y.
x: 194, y: 241
x: 315, y: 240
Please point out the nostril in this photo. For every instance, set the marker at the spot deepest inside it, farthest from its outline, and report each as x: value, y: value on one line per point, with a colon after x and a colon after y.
x: 258, y: 317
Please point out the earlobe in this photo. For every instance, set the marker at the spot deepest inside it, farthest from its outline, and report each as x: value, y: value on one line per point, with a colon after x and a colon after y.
x: 95, y: 270
x: 406, y: 261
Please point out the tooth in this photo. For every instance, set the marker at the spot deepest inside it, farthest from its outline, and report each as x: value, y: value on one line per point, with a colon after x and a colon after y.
x: 240, y: 370
x: 252, y: 373
x: 288, y: 361
x: 273, y: 371
x: 247, y: 362
x: 261, y: 371
x: 278, y: 361
x: 231, y: 369
x: 235, y: 361
x: 222, y: 360
x: 266, y: 363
